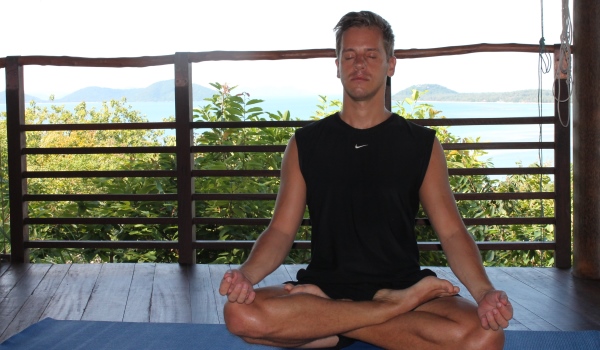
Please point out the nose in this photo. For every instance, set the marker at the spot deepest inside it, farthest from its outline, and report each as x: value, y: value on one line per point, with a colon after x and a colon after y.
x: 359, y: 62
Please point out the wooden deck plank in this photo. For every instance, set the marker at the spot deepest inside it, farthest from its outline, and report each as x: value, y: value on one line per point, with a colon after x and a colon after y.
x: 582, y: 289
x: 216, y: 275
x: 558, y: 315
x: 523, y: 318
x: 11, y: 277
x: 109, y: 296
x: 140, y: 294
x: 277, y: 277
x: 171, y: 294
x: 577, y: 295
x: 3, y: 268
x: 203, y: 303
x: 293, y: 270
x: 37, y: 302
x: 73, y: 293
x: 18, y: 295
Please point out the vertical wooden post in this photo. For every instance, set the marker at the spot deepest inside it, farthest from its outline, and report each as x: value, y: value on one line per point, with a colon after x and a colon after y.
x: 562, y: 175
x: 184, y: 140
x: 388, y: 94
x: 17, y: 161
x: 586, y: 139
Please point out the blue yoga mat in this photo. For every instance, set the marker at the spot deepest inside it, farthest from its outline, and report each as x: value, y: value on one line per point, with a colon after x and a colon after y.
x: 50, y: 334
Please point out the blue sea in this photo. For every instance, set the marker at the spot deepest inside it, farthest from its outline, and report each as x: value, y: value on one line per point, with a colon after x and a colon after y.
x: 304, y: 107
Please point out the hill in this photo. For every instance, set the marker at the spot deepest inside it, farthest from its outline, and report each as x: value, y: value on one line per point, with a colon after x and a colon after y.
x: 441, y: 93
x: 160, y: 91
x: 27, y: 98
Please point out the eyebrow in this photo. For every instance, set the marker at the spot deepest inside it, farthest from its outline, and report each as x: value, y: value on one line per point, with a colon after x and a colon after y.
x: 370, y: 49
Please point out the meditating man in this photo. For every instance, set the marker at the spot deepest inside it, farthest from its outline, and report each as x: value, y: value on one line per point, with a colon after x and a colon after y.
x: 363, y: 172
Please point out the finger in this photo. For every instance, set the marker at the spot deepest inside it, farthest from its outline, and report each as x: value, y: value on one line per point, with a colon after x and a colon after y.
x: 250, y: 297
x: 234, y: 276
x: 243, y: 294
x: 225, y: 283
x: 234, y: 292
x: 224, y: 287
x: 500, y: 319
x: 484, y: 323
x: 506, y: 311
x: 492, y: 320
x: 503, y: 299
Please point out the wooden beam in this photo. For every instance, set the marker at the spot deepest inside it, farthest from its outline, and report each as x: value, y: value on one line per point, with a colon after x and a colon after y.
x: 184, y: 141
x: 17, y: 163
x: 586, y: 139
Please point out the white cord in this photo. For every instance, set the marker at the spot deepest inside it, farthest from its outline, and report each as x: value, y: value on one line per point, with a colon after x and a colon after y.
x: 564, y: 58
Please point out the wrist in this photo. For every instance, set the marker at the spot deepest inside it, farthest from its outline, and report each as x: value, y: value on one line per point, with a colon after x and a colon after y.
x: 482, y: 293
x: 247, y: 275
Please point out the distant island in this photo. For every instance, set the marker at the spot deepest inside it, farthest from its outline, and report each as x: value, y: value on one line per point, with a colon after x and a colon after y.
x: 440, y: 93
x: 164, y: 91
x: 157, y: 92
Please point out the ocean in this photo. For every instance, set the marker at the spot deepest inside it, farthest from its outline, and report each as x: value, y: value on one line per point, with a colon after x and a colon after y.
x: 304, y: 107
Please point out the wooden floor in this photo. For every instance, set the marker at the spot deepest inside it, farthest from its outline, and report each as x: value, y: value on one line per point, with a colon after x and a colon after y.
x: 543, y: 298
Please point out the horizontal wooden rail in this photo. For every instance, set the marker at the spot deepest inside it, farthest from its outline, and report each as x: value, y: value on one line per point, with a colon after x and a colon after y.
x: 101, y: 221
x: 99, y: 150
x: 206, y: 244
x: 418, y: 221
x: 103, y: 244
x: 98, y: 197
x: 265, y: 149
x: 98, y: 126
x: 253, y: 196
x: 196, y: 57
x: 99, y: 173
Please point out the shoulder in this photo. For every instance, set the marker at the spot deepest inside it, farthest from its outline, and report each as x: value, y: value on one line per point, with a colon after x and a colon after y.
x: 318, y: 124
x: 412, y: 127
x: 317, y: 129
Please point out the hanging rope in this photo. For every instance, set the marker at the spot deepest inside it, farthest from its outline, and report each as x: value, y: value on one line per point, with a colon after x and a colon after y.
x: 564, y: 58
x: 544, y: 66
x: 563, y: 69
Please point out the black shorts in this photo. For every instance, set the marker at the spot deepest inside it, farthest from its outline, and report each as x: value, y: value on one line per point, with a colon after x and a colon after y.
x: 363, y: 291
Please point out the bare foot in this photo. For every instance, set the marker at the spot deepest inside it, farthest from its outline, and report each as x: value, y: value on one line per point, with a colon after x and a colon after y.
x: 407, y: 299
x: 305, y: 288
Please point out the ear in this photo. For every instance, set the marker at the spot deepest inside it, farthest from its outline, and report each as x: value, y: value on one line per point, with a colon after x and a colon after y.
x: 337, y: 67
x: 391, y: 66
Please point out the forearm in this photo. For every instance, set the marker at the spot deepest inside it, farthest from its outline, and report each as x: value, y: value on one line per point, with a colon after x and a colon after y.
x: 465, y: 261
x: 267, y: 254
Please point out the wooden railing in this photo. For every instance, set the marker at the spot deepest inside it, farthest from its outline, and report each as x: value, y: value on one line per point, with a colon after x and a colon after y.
x: 185, y: 150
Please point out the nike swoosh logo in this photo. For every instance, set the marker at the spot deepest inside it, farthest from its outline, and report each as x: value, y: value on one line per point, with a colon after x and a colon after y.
x: 361, y: 146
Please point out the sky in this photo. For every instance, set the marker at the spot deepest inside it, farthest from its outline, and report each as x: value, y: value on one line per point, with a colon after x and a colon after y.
x: 132, y: 28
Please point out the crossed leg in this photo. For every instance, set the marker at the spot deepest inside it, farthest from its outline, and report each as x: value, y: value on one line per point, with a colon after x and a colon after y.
x: 282, y: 316
x: 443, y: 323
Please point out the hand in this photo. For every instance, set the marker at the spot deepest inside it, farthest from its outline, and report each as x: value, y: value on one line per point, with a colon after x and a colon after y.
x: 237, y: 287
x: 494, y: 310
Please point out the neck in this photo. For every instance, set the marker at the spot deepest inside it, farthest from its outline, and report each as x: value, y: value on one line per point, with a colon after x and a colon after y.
x: 363, y: 114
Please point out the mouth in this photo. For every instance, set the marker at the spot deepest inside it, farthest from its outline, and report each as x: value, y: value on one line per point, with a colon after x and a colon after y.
x: 358, y: 78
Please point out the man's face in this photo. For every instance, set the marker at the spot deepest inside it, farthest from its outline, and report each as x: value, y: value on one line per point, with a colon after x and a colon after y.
x: 362, y: 65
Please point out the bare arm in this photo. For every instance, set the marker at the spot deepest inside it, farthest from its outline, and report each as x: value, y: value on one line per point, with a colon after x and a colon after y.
x: 275, y: 242
x: 463, y: 255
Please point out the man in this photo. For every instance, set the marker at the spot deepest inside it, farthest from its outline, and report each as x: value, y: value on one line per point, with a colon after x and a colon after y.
x: 362, y: 172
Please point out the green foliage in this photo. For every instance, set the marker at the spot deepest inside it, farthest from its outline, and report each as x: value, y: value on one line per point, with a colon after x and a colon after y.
x: 227, y: 106
x: 411, y: 109
x: 4, y: 211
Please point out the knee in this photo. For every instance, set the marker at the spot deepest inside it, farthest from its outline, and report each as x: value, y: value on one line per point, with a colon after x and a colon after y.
x: 484, y: 339
x: 243, y: 320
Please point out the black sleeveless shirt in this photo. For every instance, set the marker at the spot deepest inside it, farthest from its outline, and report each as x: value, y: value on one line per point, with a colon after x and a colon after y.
x: 362, y: 188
